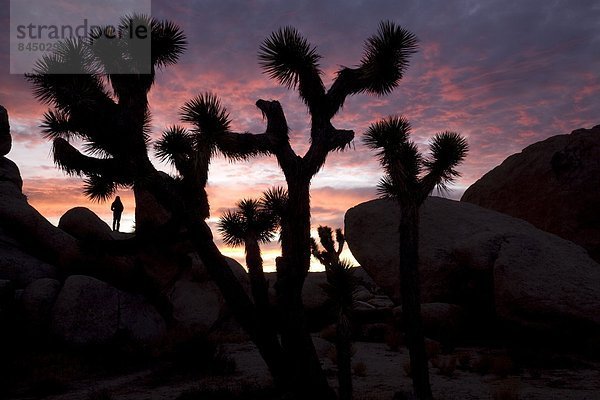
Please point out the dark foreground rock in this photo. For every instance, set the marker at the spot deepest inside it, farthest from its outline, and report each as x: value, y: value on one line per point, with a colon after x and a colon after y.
x: 36, y: 304
x: 89, y: 311
x: 553, y: 184
x: 491, y: 264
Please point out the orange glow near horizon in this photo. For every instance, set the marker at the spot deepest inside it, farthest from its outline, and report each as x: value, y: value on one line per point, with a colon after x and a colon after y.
x: 52, y: 203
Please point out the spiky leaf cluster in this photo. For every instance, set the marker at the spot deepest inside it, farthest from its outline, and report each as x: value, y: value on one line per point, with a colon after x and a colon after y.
x: 289, y: 58
x: 97, y: 90
x: 250, y: 221
x: 385, y: 58
x: 408, y: 175
x: 168, y: 43
x: 286, y: 55
x: 448, y: 150
x: 275, y: 201
x: 176, y: 146
x: 206, y: 113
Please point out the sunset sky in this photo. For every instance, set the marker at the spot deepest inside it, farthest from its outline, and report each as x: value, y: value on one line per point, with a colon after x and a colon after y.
x: 503, y: 73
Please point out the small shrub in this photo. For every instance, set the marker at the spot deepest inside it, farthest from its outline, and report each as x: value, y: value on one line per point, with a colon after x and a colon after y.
x: 508, y: 390
x: 360, y: 369
x: 393, y: 339
x: 446, y: 365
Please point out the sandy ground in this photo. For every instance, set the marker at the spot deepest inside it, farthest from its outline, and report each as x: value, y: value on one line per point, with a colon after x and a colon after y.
x: 383, y: 372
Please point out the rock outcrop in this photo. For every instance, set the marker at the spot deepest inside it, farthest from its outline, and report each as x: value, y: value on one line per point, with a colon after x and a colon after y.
x: 485, y: 261
x: 5, y: 139
x: 20, y: 267
x: 88, y: 311
x: 83, y: 224
x: 36, y: 304
x: 553, y: 184
x: 26, y: 227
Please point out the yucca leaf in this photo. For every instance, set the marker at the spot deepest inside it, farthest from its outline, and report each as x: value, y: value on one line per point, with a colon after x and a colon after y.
x: 286, y: 54
x: 386, y: 58
x: 99, y: 188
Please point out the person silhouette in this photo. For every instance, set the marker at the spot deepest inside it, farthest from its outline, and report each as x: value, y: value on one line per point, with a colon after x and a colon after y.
x: 117, y: 209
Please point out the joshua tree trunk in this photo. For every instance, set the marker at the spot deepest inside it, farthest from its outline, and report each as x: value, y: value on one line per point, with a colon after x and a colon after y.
x: 266, y: 328
x: 308, y: 377
x: 411, y: 306
x: 343, y: 348
x: 258, y: 283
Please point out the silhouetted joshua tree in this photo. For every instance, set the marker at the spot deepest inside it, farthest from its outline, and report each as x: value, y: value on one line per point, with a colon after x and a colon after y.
x: 410, y: 178
x: 115, y: 129
x: 107, y: 112
x: 341, y: 286
x: 114, y: 126
x: 249, y: 226
x: 287, y: 57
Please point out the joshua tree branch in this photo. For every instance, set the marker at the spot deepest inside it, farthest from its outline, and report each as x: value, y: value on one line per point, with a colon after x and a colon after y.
x: 73, y: 161
x: 311, y: 89
x: 339, y: 140
x: 243, y: 145
x: 277, y: 132
x: 346, y: 84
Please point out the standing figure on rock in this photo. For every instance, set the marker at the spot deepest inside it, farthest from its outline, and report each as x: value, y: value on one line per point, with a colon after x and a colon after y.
x: 117, y: 208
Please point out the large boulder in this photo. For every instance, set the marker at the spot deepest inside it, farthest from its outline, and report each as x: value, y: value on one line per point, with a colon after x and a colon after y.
x: 30, y: 246
x: 88, y: 311
x: 7, y: 296
x: 483, y: 260
x: 37, y: 302
x: 19, y: 266
x: 82, y: 223
x: 553, y: 184
x: 10, y: 177
x: 441, y: 321
x: 21, y: 222
x: 197, y: 303
x: 314, y: 296
x: 5, y: 139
